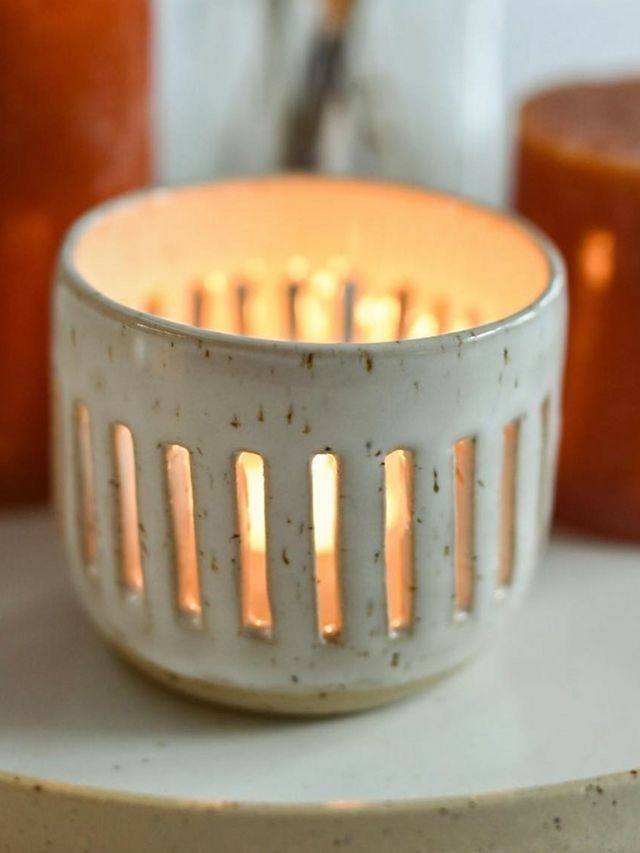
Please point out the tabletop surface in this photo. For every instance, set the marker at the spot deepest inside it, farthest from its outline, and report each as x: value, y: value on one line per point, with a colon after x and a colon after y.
x: 554, y: 698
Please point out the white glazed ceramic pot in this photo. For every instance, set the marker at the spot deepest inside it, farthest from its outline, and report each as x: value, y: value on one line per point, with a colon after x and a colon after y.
x: 269, y: 515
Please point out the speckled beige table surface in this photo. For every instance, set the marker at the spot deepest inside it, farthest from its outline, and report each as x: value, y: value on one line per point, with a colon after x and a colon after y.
x: 96, y: 758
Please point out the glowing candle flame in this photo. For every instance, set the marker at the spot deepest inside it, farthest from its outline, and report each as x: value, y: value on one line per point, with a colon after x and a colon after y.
x: 423, y: 325
x: 377, y: 318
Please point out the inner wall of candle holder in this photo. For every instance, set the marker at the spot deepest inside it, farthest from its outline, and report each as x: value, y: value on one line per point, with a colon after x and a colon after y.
x: 313, y: 259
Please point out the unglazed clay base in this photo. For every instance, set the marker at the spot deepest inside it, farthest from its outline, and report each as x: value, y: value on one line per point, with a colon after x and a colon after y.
x: 312, y: 703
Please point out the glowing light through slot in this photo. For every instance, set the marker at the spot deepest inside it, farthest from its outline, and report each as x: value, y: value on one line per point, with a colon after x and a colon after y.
x: 377, y: 318
x: 180, y: 489
x: 86, y: 487
x: 250, y: 494
x: 597, y: 259
x: 398, y: 543
x: 318, y: 307
x: 129, y: 533
x: 325, y: 516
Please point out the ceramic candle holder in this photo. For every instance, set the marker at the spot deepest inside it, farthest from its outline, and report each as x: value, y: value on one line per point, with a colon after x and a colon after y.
x: 306, y: 433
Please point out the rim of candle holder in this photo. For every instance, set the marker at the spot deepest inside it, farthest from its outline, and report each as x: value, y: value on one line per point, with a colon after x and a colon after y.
x: 553, y: 289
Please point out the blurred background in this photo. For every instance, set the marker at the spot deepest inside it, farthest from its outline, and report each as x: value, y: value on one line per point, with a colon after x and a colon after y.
x: 101, y: 97
x: 454, y: 69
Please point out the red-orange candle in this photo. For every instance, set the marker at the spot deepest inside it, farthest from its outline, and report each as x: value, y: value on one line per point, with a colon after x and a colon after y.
x: 74, y: 129
x: 578, y: 178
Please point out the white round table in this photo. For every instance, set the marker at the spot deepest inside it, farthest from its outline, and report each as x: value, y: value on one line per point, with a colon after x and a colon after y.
x: 93, y: 754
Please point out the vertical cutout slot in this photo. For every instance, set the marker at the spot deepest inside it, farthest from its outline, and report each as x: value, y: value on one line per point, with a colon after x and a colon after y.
x: 131, y: 573
x: 508, y: 485
x: 86, y: 487
x: 325, y: 522
x: 464, y: 515
x: 250, y: 489
x: 398, y: 539
x: 181, y: 508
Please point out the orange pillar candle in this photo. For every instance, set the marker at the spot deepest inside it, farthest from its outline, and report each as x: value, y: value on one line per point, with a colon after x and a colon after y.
x: 74, y: 129
x: 578, y: 178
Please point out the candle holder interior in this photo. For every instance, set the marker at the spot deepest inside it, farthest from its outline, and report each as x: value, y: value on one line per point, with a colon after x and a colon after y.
x: 324, y: 261
x: 324, y: 273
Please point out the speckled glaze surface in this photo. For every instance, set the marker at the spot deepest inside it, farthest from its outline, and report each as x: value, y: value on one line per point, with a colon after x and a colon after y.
x: 578, y: 817
x: 218, y: 394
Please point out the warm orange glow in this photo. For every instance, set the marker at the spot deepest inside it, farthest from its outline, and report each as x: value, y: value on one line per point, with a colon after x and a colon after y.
x: 297, y: 268
x: 460, y: 321
x: 325, y: 497
x: 597, y: 258
x: 398, y: 548
x: 180, y: 488
x: 200, y: 308
x: 464, y: 475
x: 314, y: 322
x: 377, y: 318
x: 422, y: 324
x: 125, y: 468
x: 318, y: 307
x: 250, y: 487
x: 219, y: 308
x: 86, y: 487
x: 210, y: 302
x: 154, y: 303
x: 394, y: 250
x: 339, y: 266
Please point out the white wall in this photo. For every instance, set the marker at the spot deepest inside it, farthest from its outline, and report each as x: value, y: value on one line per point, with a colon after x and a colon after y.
x: 551, y: 39
x: 545, y: 40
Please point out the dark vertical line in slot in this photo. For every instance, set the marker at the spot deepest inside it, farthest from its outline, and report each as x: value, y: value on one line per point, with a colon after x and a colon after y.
x: 403, y: 306
x: 154, y: 304
x: 200, y: 304
x: 242, y: 295
x: 293, y: 290
x: 348, y: 303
